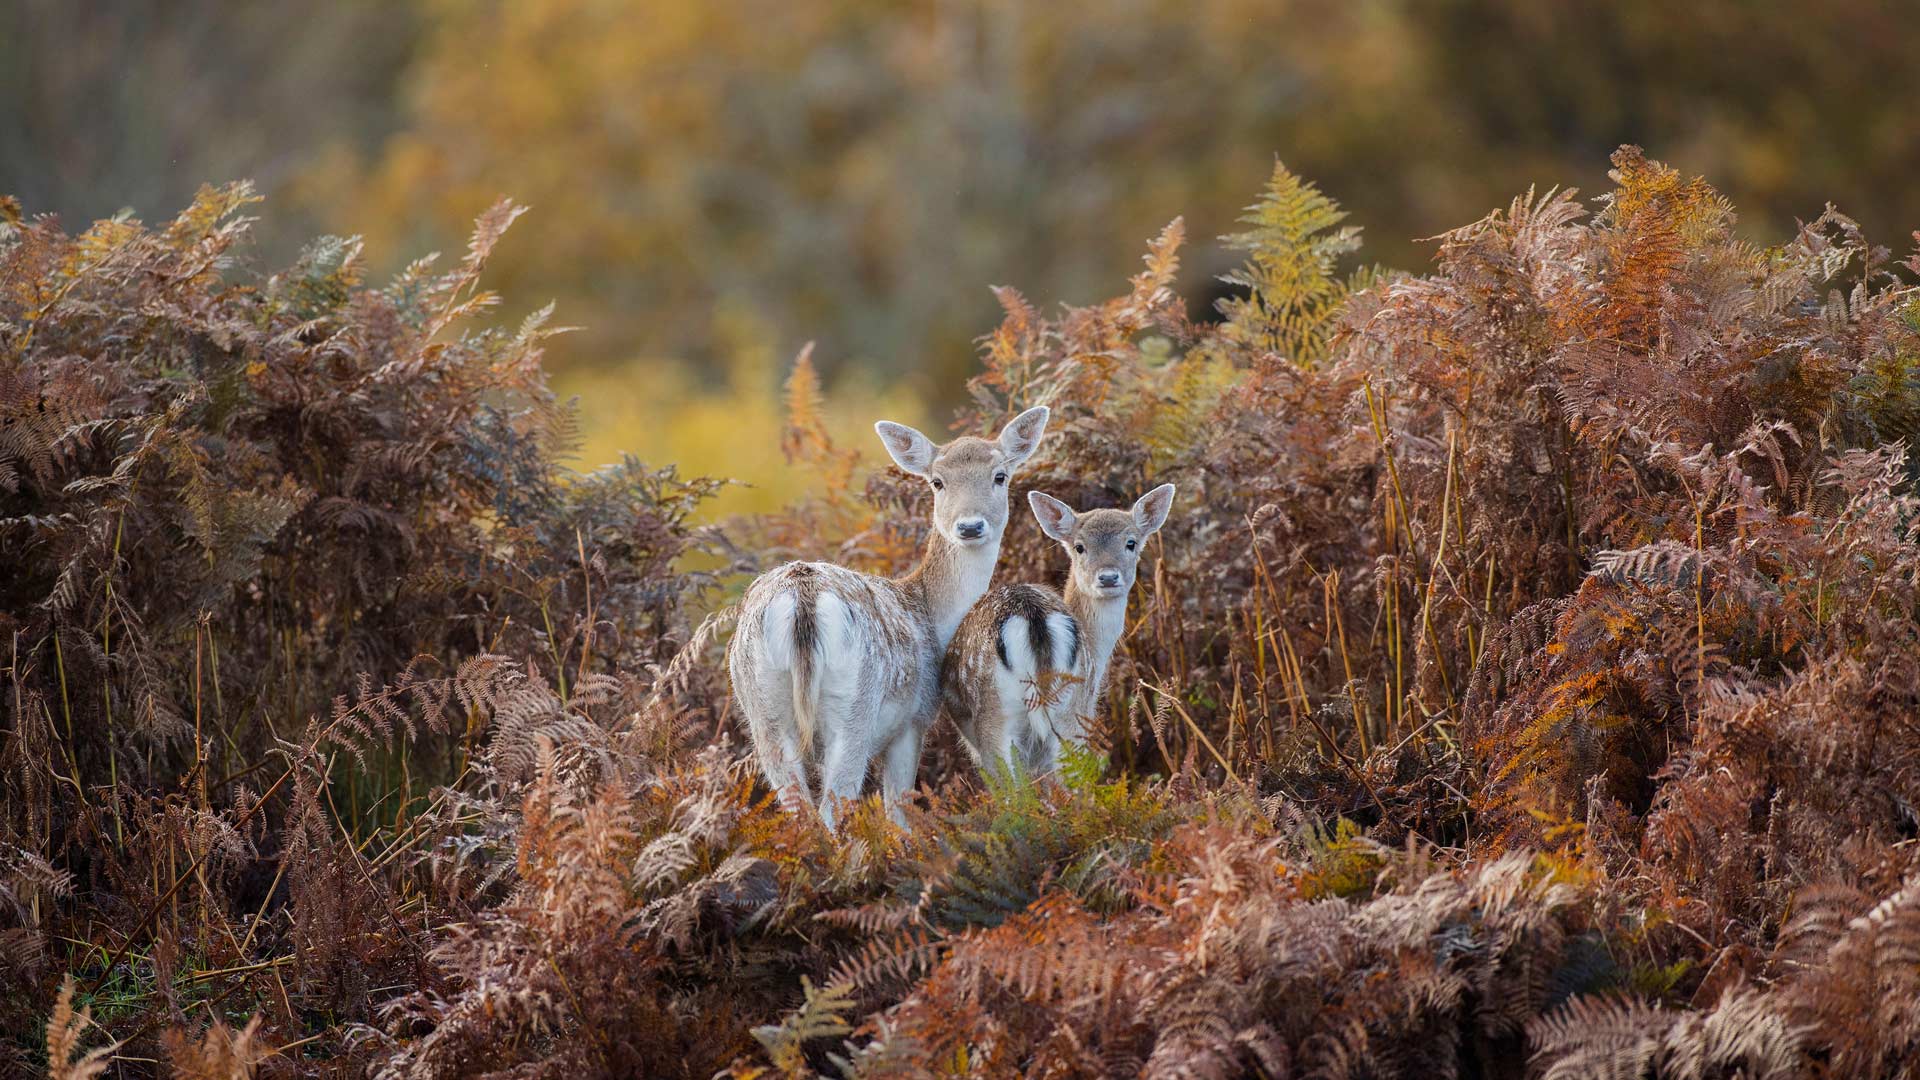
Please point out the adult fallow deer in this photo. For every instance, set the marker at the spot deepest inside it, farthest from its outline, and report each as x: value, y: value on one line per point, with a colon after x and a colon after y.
x: 832, y: 667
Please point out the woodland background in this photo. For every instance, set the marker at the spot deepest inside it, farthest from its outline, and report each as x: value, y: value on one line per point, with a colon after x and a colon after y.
x: 1525, y: 684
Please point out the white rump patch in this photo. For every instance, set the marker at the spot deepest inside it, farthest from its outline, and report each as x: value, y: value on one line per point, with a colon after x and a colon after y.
x: 776, y: 633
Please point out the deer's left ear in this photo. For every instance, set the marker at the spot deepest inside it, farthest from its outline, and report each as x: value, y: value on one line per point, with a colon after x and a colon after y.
x: 1151, y: 511
x: 1021, y: 436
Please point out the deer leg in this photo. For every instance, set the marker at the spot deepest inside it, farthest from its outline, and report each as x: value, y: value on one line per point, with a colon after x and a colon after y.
x: 1045, y: 757
x: 1003, y: 746
x: 785, y: 766
x: 899, y: 770
x: 843, y: 771
x: 767, y: 705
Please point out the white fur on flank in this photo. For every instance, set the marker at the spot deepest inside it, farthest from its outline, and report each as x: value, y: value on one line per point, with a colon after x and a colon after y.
x: 776, y: 623
x: 1033, y: 694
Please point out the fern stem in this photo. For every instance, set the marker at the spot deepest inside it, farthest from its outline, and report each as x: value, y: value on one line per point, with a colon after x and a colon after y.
x: 66, y: 707
x: 1433, y: 580
x: 1332, y: 581
x: 106, y: 684
x: 1699, y: 596
x: 586, y: 582
x: 553, y: 650
x: 1174, y: 700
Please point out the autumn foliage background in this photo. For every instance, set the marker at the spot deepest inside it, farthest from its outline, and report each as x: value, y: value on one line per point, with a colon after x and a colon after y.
x: 1525, y: 684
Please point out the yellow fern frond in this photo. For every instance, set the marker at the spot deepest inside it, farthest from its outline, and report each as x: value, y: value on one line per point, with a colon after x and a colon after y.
x: 805, y: 435
x: 1294, y: 243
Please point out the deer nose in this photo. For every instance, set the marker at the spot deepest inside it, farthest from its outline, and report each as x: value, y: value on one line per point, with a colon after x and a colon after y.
x: 970, y: 528
x: 1109, y: 579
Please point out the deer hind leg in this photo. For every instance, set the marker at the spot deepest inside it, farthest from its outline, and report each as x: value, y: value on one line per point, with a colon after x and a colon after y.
x: 899, y: 768
x: 1050, y: 726
x: 764, y: 691
x: 1043, y: 753
x: 1007, y: 754
x: 785, y: 765
x: 843, y: 768
x: 846, y: 710
x: 1004, y: 730
x: 842, y: 774
x: 776, y: 741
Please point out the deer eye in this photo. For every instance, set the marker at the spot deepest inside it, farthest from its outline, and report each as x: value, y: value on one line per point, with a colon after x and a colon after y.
x: 1131, y: 544
x: 999, y: 478
x: 1079, y: 549
x: 939, y: 484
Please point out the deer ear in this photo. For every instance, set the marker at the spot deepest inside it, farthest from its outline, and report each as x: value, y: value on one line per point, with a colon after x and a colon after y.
x: 1021, y: 436
x: 1151, y: 511
x: 910, y: 450
x: 1054, y: 516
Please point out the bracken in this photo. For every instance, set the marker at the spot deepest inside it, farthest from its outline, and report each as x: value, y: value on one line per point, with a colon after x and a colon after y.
x: 1525, y: 685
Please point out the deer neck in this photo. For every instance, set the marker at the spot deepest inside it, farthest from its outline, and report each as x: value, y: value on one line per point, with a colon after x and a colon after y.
x: 949, y: 579
x: 1102, y: 619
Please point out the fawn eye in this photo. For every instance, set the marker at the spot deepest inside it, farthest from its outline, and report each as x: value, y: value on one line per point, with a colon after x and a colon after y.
x: 939, y: 484
x: 1079, y: 549
x: 1131, y: 544
x: 999, y: 478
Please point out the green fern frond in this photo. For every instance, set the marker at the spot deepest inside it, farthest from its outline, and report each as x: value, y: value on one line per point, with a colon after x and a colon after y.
x: 1082, y: 768
x: 821, y: 1015
x: 321, y: 281
x: 1294, y: 243
x: 1181, y: 422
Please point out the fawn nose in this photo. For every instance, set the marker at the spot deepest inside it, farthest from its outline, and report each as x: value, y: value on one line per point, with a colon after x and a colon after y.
x: 1109, y: 579
x: 970, y: 528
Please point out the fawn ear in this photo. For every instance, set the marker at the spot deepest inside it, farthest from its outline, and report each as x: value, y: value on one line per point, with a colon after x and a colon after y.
x: 1151, y: 511
x: 1021, y: 436
x: 1054, y: 516
x: 910, y: 450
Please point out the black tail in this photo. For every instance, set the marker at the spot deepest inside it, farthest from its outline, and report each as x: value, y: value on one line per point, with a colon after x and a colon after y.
x: 1033, y: 605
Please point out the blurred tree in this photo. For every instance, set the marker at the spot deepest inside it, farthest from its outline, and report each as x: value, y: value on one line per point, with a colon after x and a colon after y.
x: 135, y: 105
x: 1787, y: 105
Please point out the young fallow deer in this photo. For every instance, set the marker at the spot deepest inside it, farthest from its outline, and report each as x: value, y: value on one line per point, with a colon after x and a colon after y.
x: 832, y: 667
x: 1026, y: 667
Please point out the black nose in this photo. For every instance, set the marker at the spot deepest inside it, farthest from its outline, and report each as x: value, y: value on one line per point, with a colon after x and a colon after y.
x: 1109, y: 578
x: 971, y: 530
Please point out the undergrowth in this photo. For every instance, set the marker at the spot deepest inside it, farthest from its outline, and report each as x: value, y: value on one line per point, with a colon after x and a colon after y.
x: 1526, y: 685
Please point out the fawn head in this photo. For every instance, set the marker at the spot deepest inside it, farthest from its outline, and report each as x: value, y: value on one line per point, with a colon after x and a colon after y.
x: 969, y: 475
x: 1104, y: 544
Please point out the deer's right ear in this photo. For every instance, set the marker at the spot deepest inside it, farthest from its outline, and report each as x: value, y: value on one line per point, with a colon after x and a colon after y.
x: 910, y: 450
x: 1151, y: 511
x: 1021, y: 437
x: 1054, y: 516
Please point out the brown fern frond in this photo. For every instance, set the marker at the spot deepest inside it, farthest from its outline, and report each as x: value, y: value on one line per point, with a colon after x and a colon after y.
x: 65, y: 1030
